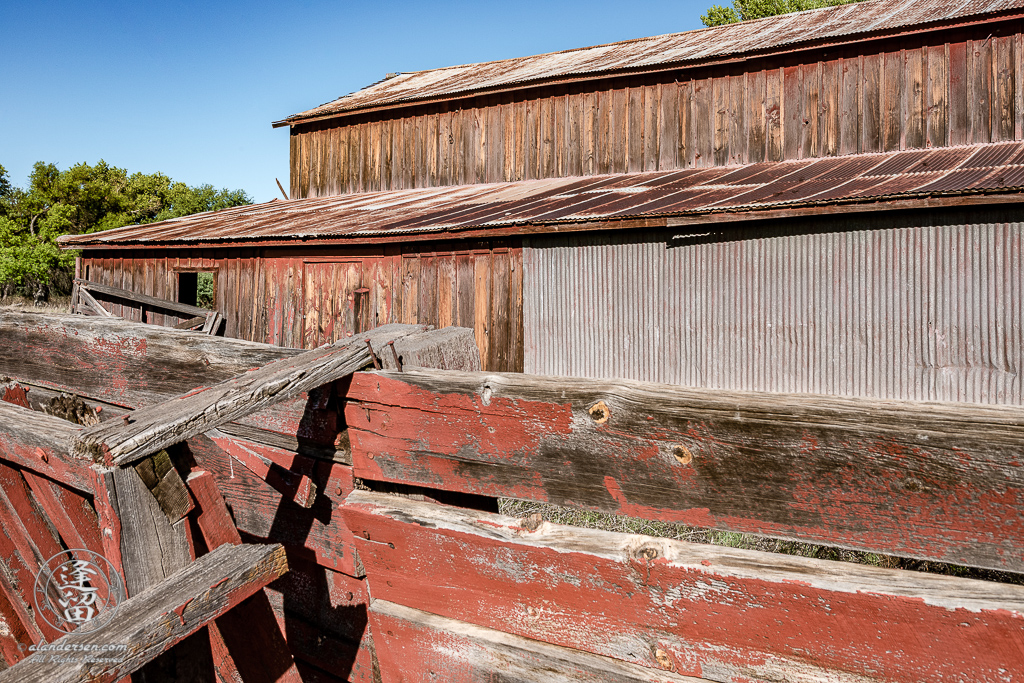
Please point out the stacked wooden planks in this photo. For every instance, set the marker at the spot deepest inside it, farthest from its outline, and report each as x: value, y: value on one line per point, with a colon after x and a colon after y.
x: 465, y: 594
x: 170, y: 482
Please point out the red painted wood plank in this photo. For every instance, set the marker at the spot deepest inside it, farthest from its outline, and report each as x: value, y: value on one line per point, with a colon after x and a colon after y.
x: 26, y: 525
x: 71, y: 514
x: 262, y: 512
x: 324, y: 614
x: 936, y: 481
x: 15, y: 393
x: 284, y: 470
x: 211, y: 513
x: 40, y: 443
x: 694, y: 609
x: 247, y: 643
x: 418, y: 647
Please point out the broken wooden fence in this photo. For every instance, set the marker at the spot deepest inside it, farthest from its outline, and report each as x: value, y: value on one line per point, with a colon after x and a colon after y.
x: 464, y: 594
x: 461, y: 593
x: 143, y: 486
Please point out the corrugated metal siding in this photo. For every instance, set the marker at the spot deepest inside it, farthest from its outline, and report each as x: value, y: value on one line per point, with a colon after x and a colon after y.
x: 884, y: 309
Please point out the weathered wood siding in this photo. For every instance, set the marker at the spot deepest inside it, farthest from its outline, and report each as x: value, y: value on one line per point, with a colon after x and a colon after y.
x: 940, y: 89
x: 303, y: 299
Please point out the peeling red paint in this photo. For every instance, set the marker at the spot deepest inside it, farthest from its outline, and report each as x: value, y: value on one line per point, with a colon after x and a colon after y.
x: 702, y: 618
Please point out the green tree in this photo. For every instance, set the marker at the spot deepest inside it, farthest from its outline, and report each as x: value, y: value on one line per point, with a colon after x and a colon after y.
x: 745, y: 10
x: 83, y: 199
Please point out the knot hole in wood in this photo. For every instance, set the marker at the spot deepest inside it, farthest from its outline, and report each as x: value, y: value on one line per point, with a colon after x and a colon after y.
x: 599, y: 412
x: 683, y: 454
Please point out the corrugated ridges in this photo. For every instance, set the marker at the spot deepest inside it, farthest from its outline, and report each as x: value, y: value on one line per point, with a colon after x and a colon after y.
x: 446, y: 210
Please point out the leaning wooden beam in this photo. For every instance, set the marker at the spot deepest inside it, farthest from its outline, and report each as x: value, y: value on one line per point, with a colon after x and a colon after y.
x: 152, y: 622
x: 173, y: 306
x: 938, y: 481
x: 42, y: 444
x: 273, y: 465
x: 96, y: 306
x: 246, y: 643
x: 149, y: 430
x: 413, y: 646
x: 688, y: 608
x: 262, y: 512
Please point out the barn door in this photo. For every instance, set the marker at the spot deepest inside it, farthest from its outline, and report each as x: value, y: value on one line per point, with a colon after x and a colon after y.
x: 343, y: 298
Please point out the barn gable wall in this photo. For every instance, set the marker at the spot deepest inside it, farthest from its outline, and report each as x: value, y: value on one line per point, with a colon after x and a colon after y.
x: 939, y: 88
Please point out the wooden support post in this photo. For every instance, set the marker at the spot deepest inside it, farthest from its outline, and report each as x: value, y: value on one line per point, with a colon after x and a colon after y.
x: 246, y: 643
x: 152, y: 622
x: 214, y: 520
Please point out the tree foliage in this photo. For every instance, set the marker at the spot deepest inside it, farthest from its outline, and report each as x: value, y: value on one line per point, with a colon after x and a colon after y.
x: 84, y: 199
x: 744, y: 10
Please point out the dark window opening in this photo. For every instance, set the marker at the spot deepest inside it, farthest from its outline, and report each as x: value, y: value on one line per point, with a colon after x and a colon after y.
x: 196, y: 289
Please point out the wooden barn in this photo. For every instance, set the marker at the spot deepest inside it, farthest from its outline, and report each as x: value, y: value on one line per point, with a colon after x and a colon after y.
x: 824, y: 202
x: 730, y: 280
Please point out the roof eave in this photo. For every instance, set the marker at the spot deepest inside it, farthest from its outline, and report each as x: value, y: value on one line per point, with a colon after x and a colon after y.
x: 722, y: 60
x: 692, y: 219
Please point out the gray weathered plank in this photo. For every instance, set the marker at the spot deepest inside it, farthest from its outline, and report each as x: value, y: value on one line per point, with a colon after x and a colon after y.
x: 153, y: 621
x: 149, y: 430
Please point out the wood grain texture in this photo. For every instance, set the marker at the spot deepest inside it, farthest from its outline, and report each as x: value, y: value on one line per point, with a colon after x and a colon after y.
x: 697, y: 610
x: 418, y: 647
x: 929, y: 480
x: 151, y: 548
x: 152, y: 622
x: 42, y: 444
x: 151, y: 429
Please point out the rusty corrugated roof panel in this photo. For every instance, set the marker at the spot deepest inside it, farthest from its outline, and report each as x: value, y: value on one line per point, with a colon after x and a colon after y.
x: 660, y: 51
x: 503, y: 207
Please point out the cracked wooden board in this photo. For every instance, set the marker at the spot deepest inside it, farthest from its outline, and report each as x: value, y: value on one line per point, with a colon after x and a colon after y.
x: 936, y: 481
x: 697, y: 610
x: 158, y: 618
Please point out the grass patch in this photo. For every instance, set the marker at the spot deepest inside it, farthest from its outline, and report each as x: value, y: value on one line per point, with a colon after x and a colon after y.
x: 632, y: 525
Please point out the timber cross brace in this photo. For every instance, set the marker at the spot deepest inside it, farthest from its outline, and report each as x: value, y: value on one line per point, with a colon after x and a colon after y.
x: 385, y: 483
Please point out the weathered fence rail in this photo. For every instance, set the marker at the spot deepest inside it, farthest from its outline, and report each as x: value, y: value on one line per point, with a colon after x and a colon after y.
x: 381, y: 488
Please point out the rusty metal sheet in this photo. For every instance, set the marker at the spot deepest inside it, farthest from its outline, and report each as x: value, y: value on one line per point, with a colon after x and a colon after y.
x: 995, y: 155
x: 902, y: 306
x: 771, y: 33
x: 503, y: 206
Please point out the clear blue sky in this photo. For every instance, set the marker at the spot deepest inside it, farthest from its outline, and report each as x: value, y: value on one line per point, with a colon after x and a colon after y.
x: 191, y: 88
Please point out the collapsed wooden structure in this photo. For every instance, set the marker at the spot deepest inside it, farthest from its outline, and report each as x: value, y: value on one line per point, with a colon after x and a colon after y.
x: 376, y: 493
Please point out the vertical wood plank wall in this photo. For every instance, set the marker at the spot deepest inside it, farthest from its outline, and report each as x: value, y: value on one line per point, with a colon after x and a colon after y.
x: 946, y: 88
x: 305, y: 299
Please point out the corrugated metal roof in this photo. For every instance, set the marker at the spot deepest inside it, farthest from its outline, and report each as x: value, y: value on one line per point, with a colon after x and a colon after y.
x: 659, y: 51
x: 502, y: 207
